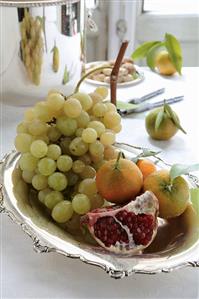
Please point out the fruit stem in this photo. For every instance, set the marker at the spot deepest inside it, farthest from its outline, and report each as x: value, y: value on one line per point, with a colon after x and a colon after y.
x: 117, y: 161
x: 89, y: 73
x: 164, y: 106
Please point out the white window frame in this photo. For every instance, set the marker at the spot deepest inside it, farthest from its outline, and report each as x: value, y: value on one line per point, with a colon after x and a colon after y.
x: 184, y: 26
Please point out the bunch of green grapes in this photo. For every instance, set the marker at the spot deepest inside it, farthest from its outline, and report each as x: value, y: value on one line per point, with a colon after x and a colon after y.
x: 63, y: 142
x: 32, y: 46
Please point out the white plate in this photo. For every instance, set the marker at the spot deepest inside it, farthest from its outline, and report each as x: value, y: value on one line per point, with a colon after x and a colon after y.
x: 125, y: 84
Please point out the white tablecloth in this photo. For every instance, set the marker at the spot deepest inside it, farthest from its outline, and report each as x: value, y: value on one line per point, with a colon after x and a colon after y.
x: 25, y: 274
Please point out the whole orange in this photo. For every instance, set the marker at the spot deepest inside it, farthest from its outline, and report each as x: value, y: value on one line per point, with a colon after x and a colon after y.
x: 173, y: 196
x: 164, y: 64
x: 119, y: 180
x: 146, y: 167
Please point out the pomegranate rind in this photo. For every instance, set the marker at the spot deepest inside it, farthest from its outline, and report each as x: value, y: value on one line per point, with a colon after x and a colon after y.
x: 146, y: 204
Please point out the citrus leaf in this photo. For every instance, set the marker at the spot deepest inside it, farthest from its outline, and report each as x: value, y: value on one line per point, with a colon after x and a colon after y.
x: 180, y: 169
x: 174, y: 118
x: 150, y: 57
x: 195, y: 199
x: 142, y: 50
x: 145, y: 153
x: 175, y: 51
x: 149, y: 153
x: 159, y: 119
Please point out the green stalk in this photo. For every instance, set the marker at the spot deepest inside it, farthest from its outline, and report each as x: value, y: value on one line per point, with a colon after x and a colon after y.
x: 89, y: 73
x: 117, y: 161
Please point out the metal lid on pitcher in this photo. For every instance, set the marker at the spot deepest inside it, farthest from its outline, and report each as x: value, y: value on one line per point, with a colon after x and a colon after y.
x: 30, y: 3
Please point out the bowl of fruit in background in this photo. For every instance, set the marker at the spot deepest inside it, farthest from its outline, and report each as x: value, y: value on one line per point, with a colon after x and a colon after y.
x: 74, y: 190
x: 129, y: 73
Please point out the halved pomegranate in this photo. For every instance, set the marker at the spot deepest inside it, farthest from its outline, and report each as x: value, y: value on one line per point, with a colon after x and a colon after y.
x: 126, y: 229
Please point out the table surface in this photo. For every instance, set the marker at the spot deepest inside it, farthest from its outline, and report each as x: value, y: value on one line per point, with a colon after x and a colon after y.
x: 25, y: 274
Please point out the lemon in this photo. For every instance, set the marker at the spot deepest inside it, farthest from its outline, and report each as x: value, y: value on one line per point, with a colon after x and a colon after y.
x: 164, y: 64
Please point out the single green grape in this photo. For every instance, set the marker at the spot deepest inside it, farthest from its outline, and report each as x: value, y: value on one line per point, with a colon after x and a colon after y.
x: 54, y: 151
x: 81, y: 204
x: 39, y: 181
x: 23, y: 142
x: 54, y: 134
x: 89, y: 135
x: 55, y: 101
x: 28, y: 162
x: 43, y: 112
x: 96, y: 148
x: 64, y: 163
x: 27, y: 176
x: 42, y: 194
x: 111, y: 119
x: 78, y: 147
x: 99, y: 109
x: 57, y: 181
x: 111, y: 107
x: 88, y: 172
x: 37, y: 127
x: 88, y: 187
x: 85, y: 100
x: 108, y: 138
x: 83, y: 119
x: 67, y: 126
x: 52, y: 198
x: 78, y: 166
x: 46, y: 166
x: 103, y: 91
x: 38, y: 148
x: 62, y: 212
x: 72, y: 108
x: 97, y: 126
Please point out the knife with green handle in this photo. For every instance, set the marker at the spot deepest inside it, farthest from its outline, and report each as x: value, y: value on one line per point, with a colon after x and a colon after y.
x: 149, y: 106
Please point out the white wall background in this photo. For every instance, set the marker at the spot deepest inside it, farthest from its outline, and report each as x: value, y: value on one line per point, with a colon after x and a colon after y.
x: 141, y: 27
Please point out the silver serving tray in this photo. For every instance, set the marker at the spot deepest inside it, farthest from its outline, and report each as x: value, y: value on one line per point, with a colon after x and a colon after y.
x: 175, y: 246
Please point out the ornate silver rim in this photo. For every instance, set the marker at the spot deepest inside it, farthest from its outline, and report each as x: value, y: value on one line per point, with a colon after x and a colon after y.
x: 40, y: 247
x: 33, y: 3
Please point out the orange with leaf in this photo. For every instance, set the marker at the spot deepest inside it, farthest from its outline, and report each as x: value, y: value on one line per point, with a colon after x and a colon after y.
x: 163, y: 123
x: 119, y: 180
x: 163, y: 56
x: 171, y: 189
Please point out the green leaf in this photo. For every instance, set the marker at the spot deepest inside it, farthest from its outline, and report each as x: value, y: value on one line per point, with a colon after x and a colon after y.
x: 180, y: 169
x: 123, y: 105
x: 150, y: 57
x: 173, y: 47
x: 195, y: 199
x: 159, y: 119
x: 143, y: 49
x: 145, y: 153
x: 174, y: 117
x: 66, y: 76
x: 149, y: 153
